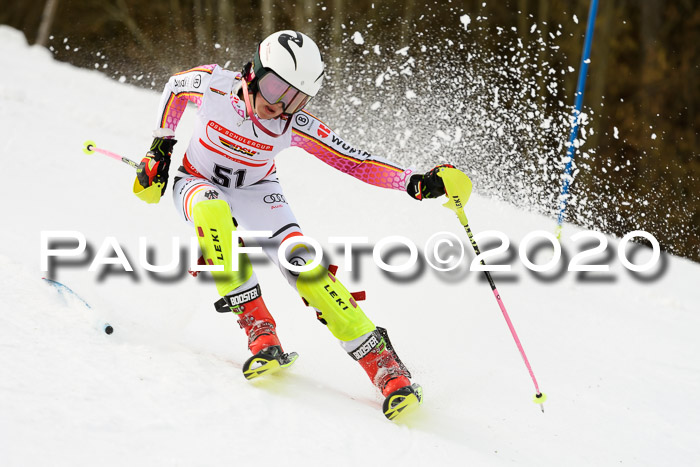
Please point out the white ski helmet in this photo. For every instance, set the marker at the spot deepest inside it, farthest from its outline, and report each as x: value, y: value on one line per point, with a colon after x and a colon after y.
x: 294, y: 57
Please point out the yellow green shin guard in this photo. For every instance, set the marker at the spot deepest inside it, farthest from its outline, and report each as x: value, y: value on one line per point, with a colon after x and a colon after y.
x: 338, y: 309
x: 212, y: 219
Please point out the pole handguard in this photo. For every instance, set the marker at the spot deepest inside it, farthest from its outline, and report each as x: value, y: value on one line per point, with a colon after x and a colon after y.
x: 151, y: 195
x: 458, y: 188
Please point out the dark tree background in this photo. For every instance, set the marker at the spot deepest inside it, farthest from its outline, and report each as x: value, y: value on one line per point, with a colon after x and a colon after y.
x: 497, y: 78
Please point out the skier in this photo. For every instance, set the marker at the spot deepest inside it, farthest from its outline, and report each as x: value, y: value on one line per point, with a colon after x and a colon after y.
x: 228, y: 179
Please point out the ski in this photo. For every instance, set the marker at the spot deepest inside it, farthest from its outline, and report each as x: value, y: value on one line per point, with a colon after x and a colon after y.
x: 403, y: 401
x: 67, y: 293
x: 268, y: 361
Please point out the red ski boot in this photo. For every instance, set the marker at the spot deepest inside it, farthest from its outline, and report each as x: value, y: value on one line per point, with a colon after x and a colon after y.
x: 259, y: 325
x: 388, y: 374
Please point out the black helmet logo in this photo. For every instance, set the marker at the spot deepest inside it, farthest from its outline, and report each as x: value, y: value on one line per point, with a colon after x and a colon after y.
x: 284, y: 41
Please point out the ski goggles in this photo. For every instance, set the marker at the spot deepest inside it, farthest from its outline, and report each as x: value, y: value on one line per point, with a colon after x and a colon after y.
x: 274, y: 89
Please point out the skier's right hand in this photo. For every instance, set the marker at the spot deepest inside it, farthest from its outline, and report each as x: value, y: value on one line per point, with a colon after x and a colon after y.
x: 155, y: 165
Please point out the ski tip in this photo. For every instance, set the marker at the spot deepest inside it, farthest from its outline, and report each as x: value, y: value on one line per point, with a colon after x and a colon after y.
x: 266, y: 362
x: 89, y: 147
x: 402, y: 401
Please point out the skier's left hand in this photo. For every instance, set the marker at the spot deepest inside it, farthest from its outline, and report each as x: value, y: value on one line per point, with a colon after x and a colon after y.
x: 428, y: 185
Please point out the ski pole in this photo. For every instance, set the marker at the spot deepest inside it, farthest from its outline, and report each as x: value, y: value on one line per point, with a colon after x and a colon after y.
x: 89, y: 147
x: 150, y: 194
x: 458, y: 188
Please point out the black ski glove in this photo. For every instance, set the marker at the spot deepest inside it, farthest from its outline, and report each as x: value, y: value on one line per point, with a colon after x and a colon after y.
x: 428, y: 185
x: 155, y: 165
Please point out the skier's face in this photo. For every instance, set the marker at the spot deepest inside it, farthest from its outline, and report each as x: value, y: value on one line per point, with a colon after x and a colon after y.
x: 265, y: 110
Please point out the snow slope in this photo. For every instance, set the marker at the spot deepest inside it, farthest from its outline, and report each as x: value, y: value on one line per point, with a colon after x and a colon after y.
x: 616, y: 355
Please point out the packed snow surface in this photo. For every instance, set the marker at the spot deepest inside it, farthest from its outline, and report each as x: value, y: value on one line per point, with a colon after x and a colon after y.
x: 617, y: 354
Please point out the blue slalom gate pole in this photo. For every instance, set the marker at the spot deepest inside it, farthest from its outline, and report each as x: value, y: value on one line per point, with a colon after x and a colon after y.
x: 582, y: 73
